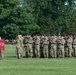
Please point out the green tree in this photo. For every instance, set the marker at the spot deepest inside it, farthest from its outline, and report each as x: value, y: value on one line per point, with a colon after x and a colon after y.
x: 57, y: 11
x: 6, y: 6
x: 72, y: 26
x: 61, y: 13
x: 16, y: 18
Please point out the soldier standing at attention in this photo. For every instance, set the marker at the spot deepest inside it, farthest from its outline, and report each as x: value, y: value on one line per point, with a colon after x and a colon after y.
x: 63, y: 47
x: 29, y: 42
x: 53, y: 47
x: 74, y: 46
x: 19, y: 46
x: 60, y: 46
x: 69, y: 49
x: 37, y: 46
x: 41, y: 46
x: 45, y: 47
x: 25, y: 41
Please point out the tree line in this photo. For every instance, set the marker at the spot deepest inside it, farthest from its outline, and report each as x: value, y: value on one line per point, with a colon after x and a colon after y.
x: 37, y: 17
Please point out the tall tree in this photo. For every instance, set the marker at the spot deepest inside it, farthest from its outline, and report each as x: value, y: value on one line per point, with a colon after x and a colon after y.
x: 57, y: 11
x: 6, y: 6
x: 72, y: 27
x: 16, y: 18
x: 61, y: 13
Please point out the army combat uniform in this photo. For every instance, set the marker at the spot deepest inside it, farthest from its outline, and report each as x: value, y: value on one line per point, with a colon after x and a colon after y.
x: 41, y: 46
x: 19, y: 45
x: 69, y: 49
x: 37, y: 46
x: 28, y: 46
x: 60, y: 47
x: 45, y: 47
x: 74, y: 46
x: 53, y: 47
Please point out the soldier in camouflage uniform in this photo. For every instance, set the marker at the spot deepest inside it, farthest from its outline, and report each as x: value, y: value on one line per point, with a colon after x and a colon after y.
x: 41, y: 46
x: 53, y: 47
x: 74, y: 46
x: 37, y: 46
x: 19, y: 46
x: 28, y: 46
x: 25, y: 42
x: 69, y: 49
x: 45, y: 47
x: 60, y: 46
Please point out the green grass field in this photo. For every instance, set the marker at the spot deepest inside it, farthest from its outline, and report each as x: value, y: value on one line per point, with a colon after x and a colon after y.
x: 10, y: 65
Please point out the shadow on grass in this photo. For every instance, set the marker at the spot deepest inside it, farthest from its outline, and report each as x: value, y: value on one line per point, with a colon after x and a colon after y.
x: 9, y: 57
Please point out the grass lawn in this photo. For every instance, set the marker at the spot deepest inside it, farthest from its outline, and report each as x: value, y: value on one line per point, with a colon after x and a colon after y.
x: 34, y: 66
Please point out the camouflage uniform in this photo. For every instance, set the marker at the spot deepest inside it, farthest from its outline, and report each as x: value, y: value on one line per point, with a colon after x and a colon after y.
x: 60, y: 47
x: 53, y: 47
x: 45, y: 47
x: 19, y: 46
x: 41, y: 46
x: 37, y: 46
x: 69, y: 50
x: 28, y: 46
x: 25, y: 42
x: 74, y: 46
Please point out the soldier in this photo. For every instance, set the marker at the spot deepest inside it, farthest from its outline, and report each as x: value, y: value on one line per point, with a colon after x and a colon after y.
x: 60, y: 46
x: 28, y: 46
x: 19, y: 46
x: 41, y: 46
x: 33, y: 46
x: 25, y: 42
x: 53, y: 47
x: 74, y: 46
x: 69, y: 49
x: 37, y: 46
x: 45, y: 47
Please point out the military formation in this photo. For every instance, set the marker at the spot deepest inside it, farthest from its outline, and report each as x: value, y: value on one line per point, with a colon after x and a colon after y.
x: 46, y: 46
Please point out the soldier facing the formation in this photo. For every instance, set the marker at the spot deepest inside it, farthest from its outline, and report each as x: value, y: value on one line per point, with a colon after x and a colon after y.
x: 19, y: 46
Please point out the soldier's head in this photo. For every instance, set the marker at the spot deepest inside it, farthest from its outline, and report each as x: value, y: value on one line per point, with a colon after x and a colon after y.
x: 42, y: 36
x: 38, y: 37
x: 51, y: 36
x: 45, y: 37
x: 20, y: 36
x: 54, y: 36
x: 74, y: 37
x: 34, y: 37
x: 25, y: 37
x: 59, y: 37
x: 29, y: 36
x: 62, y: 37
x: 69, y: 36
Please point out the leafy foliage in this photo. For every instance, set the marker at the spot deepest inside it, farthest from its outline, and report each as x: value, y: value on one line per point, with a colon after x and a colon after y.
x: 37, y: 17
